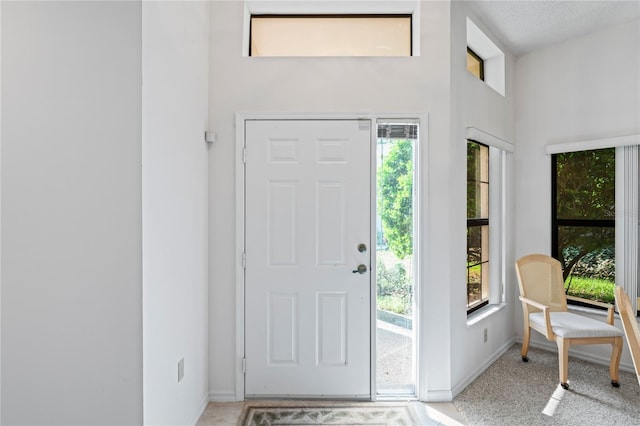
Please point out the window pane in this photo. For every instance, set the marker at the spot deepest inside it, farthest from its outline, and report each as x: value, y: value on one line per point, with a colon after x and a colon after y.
x: 395, y: 277
x: 589, y: 253
x: 342, y: 35
x: 477, y: 181
x: 474, y: 285
x: 475, y: 65
x: 586, y: 184
x: 474, y: 245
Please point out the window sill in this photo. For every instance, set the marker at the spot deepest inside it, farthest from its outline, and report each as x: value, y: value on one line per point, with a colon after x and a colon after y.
x: 483, y: 313
x: 587, y: 310
x: 594, y: 312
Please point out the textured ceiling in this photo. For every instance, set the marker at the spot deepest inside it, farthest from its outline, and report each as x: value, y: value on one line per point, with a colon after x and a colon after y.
x: 524, y: 26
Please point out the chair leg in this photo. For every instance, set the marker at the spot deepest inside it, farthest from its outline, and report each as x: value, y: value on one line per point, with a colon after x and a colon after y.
x: 614, y: 366
x: 525, y: 343
x: 563, y: 361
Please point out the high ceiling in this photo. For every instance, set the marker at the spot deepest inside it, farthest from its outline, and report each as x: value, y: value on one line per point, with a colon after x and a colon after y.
x: 524, y: 26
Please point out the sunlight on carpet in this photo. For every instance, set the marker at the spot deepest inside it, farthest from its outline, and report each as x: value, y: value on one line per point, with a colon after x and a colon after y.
x: 554, y: 401
x: 511, y: 392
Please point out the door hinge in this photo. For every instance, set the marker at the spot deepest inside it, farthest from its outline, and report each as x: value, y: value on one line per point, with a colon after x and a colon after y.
x: 244, y: 155
x: 244, y: 365
x: 244, y: 260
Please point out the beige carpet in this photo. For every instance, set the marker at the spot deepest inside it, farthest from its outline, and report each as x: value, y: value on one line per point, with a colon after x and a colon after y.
x: 511, y: 392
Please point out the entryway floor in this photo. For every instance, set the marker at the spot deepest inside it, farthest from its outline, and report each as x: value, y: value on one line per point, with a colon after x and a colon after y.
x: 228, y: 413
x: 394, y: 368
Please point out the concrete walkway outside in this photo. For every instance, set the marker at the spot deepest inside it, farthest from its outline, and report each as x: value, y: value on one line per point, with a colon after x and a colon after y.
x: 394, y: 373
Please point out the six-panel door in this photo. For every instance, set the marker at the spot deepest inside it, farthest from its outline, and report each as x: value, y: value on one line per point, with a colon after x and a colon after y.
x: 307, y: 283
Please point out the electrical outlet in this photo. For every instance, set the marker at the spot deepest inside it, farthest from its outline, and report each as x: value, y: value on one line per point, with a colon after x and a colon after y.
x: 180, y: 370
x: 486, y: 335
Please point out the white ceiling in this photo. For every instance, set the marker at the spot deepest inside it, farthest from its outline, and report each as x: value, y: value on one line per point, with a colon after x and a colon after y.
x: 524, y: 26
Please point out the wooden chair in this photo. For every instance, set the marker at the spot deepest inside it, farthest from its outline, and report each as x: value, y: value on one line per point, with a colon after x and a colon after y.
x: 630, y: 325
x: 544, y: 305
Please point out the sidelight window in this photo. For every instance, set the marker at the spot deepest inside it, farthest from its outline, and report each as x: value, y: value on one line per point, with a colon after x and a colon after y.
x: 395, y: 258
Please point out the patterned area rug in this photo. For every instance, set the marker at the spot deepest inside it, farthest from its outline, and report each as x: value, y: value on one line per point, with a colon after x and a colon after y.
x: 257, y: 415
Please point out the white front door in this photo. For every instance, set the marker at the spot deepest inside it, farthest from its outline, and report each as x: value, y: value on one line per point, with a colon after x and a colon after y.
x: 308, y: 253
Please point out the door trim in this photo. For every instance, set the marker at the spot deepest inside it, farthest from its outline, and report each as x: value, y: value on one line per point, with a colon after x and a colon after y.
x: 240, y: 119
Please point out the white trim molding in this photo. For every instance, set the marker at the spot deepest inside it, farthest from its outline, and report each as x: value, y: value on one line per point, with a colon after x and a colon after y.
x: 203, y: 406
x: 421, y: 151
x: 481, y: 136
x: 223, y: 396
x: 469, y: 379
x: 590, y: 144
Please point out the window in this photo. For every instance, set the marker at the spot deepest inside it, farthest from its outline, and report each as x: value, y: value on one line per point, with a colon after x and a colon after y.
x: 395, y: 267
x: 616, y: 158
x: 583, y: 221
x: 486, y: 198
x: 330, y: 35
x: 475, y: 64
x: 492, y: 57
x: 477, y: 226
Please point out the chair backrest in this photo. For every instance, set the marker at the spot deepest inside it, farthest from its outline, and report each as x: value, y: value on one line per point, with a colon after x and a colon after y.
x: 630, y: 325
x: 540, y: 279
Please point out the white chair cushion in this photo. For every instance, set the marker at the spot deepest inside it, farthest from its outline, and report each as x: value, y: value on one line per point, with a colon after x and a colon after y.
x: 569, y: 325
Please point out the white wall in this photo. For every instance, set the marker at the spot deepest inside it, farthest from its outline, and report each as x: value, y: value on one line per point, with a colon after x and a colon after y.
x: 585, y: 88
x: 475, y: 104
x: 415, y: 84
x: 71, y: 213
x: 377, y: 85
x: 175, y: 65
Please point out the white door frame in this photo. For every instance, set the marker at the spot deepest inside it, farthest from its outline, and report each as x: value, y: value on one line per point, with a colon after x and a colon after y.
x: 241, y: 117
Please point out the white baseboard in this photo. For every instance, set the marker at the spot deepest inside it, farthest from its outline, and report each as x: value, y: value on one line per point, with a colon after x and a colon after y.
x: 438, y: 396
x: 203, y: 406
x: 222, y: 396
x: 474, y: 375
x: 445, y: 395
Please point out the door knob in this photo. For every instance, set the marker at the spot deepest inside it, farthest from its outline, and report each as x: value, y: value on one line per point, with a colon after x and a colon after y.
x: 362, y: 268
x: 362, y: 247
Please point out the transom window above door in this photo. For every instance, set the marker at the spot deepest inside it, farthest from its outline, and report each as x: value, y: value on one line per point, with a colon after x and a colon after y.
x: 331, y: 35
